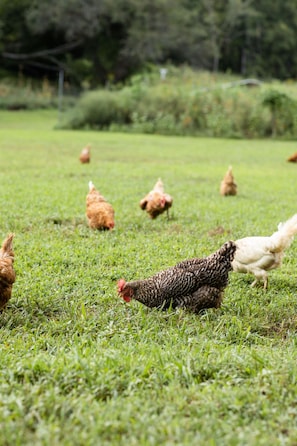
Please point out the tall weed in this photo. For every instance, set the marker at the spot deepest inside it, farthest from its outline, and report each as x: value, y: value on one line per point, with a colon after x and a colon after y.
x: 26, y: 96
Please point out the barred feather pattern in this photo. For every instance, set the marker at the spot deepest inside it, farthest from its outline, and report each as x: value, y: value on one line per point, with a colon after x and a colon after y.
x: 193, y: 284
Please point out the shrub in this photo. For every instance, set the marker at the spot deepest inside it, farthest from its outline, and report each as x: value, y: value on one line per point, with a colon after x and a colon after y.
x: 283, y: 111
x: 183, y: 109
x: 99, y: 109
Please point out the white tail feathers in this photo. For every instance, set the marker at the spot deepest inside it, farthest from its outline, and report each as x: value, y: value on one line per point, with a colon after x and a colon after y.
x: 91, y: 185
x: 283, y: 238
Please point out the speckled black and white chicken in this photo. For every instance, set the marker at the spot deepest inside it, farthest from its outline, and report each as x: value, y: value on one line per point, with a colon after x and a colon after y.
x: 193, y: 284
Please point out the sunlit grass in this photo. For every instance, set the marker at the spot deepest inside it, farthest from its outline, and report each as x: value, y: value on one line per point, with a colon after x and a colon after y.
x: 78, y: 365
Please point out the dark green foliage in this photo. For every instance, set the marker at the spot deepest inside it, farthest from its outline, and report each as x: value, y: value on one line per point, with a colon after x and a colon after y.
x: 283, y: 112
x: 116, y: 39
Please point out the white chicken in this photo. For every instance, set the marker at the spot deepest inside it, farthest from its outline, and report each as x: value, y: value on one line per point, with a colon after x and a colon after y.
x: 257, y: 255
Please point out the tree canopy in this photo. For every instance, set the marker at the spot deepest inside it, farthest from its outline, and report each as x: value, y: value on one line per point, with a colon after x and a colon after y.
x: 103, y: 40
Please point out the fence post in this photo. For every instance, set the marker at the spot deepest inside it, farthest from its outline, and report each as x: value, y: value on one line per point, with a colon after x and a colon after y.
x: 60, y: 92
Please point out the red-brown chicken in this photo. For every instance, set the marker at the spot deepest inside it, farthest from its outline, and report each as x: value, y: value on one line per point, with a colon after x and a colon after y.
x: 156, y: 201
x: 100, y: 214
x: 293, y: 158
x: 7, y: 273
x: 85, y: 155
x: 193, y: 284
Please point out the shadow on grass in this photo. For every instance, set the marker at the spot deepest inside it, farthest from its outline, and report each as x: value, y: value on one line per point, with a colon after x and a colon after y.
x: 74, y: 222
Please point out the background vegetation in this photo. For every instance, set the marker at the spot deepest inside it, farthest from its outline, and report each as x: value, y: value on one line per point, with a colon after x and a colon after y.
x: 191, y: 103
x: 99, y: 42
x: 80, y: 366
x: 186, y: 103
x: 107, y: 58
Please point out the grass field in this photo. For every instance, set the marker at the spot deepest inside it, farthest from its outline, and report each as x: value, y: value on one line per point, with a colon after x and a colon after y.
x: 81, y: 367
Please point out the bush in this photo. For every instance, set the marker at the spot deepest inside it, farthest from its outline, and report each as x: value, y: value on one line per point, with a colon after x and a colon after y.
x: 100, y: 109
x: 283, y: 111
x: 180, y: 108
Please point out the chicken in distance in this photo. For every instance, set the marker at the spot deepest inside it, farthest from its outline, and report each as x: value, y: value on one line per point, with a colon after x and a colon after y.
x: 228, y: 185
x: 293, y: 158
x: 99, y: 212
x: 258, y: 255
x: 156, y: 201
x: 85, y: 155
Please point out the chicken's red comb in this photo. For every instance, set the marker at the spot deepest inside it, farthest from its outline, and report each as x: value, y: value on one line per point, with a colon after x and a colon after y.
x: 121, y: 284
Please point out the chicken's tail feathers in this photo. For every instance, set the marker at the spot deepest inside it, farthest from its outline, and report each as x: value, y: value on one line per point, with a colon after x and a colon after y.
x: 86, y: 149
x: 285, y: 234
x: 91, y: 186
x: 7, y: 249
x: 228, y: 250
x: 229, y: 174
x: 159, y: 186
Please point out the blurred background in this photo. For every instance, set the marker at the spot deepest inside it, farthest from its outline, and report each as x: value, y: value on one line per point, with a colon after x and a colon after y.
x: 54, y: 49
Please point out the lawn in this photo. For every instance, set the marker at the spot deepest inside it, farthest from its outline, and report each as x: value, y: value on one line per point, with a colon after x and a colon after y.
x: 81, y: 367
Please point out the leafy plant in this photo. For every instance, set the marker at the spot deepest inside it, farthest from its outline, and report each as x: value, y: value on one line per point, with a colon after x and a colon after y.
x: 169, y: 109
x: 283, y: 111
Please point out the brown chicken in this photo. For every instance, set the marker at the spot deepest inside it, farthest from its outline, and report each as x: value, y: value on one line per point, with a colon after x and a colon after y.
x: 193, y: 284
x: 156, y: 201
x: 100, y: 214
x: 85, y: 155
x: 7, y: 273
x: 228, y: 185
x: 293, y: 158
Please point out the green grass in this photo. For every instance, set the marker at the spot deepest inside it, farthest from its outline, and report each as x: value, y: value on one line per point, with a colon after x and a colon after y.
x: 81, y: 367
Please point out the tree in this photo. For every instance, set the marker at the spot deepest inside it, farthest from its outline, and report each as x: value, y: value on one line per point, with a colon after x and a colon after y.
x: 224, y: 25
x: 273, y: 44
x: 101, y: 40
